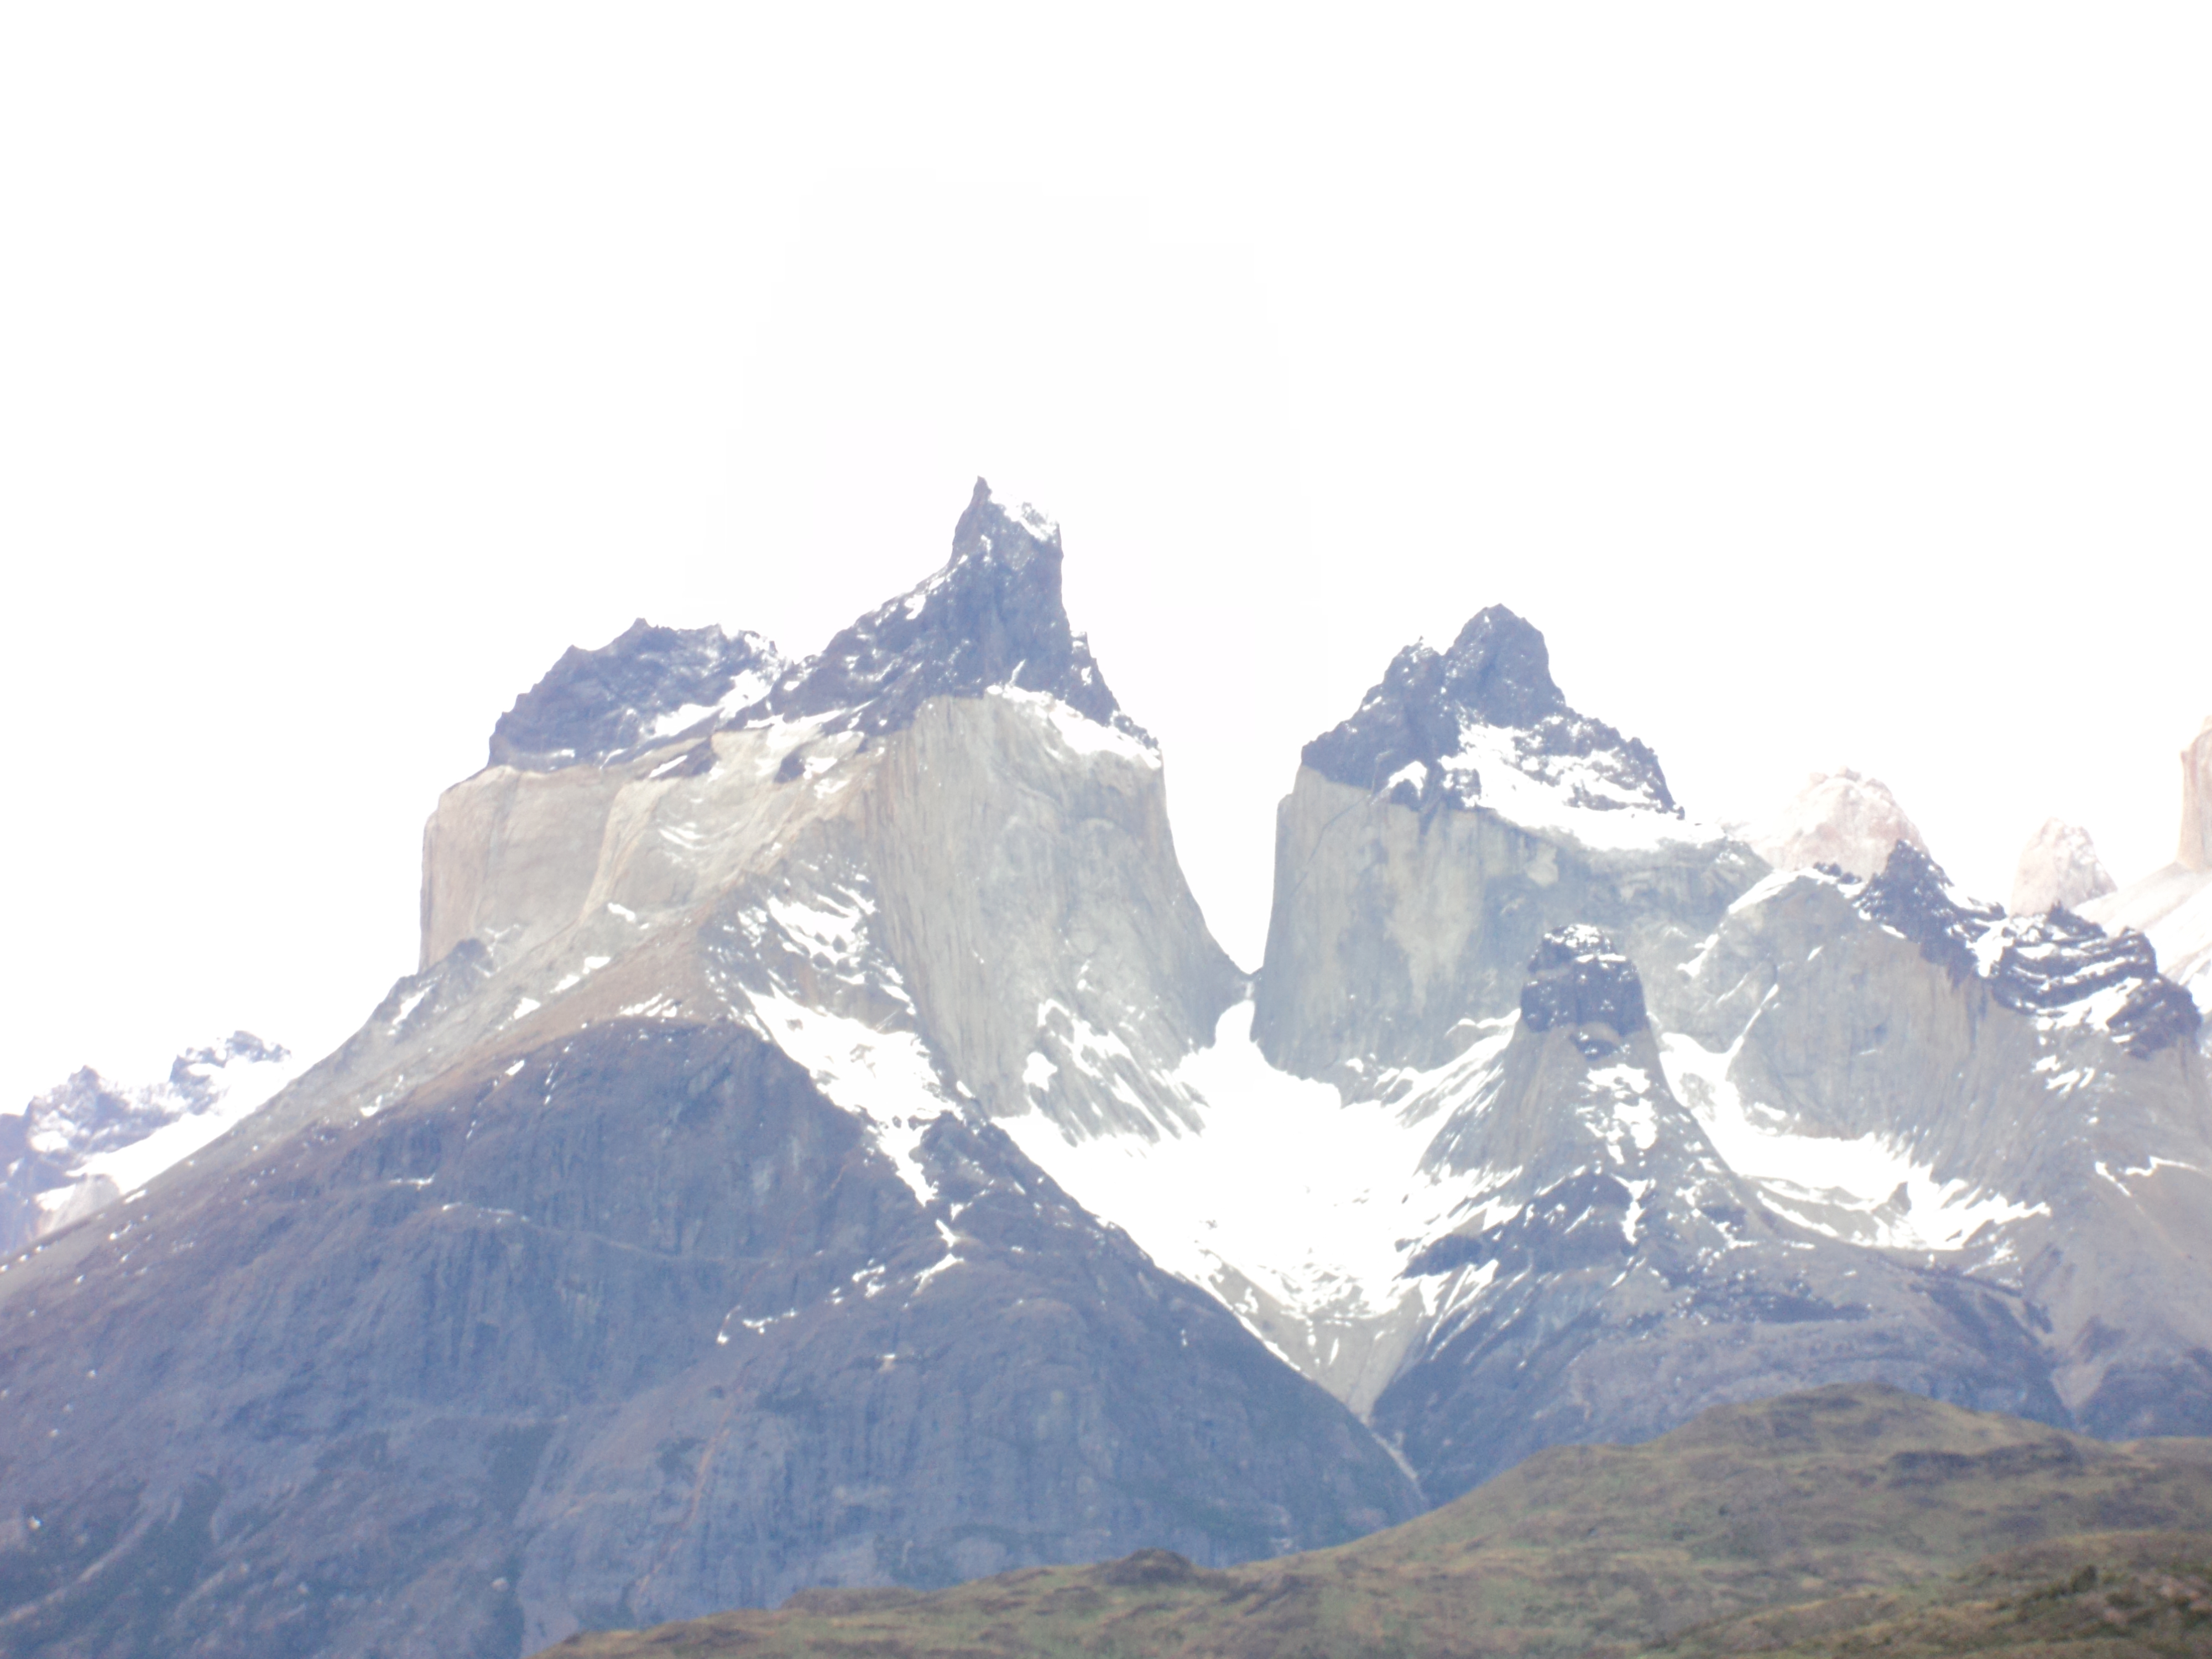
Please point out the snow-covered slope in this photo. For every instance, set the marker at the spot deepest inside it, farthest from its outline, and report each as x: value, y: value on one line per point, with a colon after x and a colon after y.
x: 1877, y: 1069
x: 83, y: 1145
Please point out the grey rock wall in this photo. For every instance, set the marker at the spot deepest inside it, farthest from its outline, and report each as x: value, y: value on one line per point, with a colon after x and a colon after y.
x: 630, y: 1328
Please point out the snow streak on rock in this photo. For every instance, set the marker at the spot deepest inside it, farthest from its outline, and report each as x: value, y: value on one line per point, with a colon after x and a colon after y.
x: 802, y: 967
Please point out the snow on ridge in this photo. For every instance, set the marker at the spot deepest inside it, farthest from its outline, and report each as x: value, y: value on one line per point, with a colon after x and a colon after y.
x: 1025, y: 516
x: 884, y: 1075
x: 1078, y: 732
x: 88, y: 1130
x: 1869, y: 1184
x: 887, y: 1079
x: 1506, y: 770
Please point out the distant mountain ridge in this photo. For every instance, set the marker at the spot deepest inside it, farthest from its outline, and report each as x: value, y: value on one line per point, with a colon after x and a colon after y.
x: 823, y: 1144
x: 80, y: 1145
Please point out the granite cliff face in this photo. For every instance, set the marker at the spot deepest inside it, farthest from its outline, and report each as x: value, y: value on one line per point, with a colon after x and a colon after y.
x: 822, y: 1145
x: 1432, y: 840
x: 1610, y: 1121
x: 651, y: 1247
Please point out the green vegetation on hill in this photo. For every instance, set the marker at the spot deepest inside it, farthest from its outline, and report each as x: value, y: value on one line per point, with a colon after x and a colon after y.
x: 2111, y: 1594
x: 1817, y: 1498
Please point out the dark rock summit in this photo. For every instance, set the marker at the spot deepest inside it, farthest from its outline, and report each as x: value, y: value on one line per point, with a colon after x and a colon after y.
x: 1576, y: 978
x: 646, y: 684
x: 1410, y: 734
x: 993, y: 617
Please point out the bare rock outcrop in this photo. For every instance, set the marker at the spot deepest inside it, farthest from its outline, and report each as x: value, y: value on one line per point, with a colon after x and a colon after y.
x: 2171, y: 906
x: 1842, y: 818
x: 2058, y: 870
x: 2195, y: 852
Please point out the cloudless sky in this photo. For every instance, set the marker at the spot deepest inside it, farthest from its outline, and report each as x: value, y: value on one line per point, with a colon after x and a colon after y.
x: 1829, y: 384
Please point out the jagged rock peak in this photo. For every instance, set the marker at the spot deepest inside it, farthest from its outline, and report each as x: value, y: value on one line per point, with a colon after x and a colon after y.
x: 1577, y: 980
x: 646, y: 685
x: 2058, y: 870
x: 2056, y: 966
x: 993, y: 618
x: 1841, y: 818
x: 2195, y: 852
x: 1482, y: 722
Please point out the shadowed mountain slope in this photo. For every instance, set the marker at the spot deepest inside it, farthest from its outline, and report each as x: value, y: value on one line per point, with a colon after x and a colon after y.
x: 630, y: 1325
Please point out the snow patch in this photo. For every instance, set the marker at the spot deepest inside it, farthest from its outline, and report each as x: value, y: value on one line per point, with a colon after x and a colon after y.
x: 886, y: 1079
x: 1890, y: 1200
x: 1318, y: 1202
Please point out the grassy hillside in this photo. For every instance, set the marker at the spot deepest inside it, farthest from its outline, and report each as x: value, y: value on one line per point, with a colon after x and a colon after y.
x: 1819, y: 1497
x: 2112, y: 1594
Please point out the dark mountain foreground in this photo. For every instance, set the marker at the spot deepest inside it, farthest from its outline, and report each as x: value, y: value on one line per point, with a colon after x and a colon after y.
x: 1816, y: 1522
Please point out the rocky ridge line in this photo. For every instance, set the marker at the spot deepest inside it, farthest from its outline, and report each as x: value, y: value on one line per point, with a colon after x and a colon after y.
x: 646, y: 685
x: 992, y: 617
x: 2035, y: 965
x: 1423, y: 735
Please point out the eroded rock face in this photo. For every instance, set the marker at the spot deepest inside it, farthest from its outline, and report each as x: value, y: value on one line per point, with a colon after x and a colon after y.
x: 1841, y: 819
x: 2058, y: 870
x: 1973, y: 1092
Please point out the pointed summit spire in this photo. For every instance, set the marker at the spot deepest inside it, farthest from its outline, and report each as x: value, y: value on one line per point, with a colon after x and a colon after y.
x: 992, y: 616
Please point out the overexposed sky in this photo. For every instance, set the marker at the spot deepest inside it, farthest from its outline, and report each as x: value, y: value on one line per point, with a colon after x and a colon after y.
x: 1830, y: 385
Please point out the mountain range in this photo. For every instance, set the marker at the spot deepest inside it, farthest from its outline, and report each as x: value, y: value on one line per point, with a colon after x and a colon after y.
x: 822, y: 1145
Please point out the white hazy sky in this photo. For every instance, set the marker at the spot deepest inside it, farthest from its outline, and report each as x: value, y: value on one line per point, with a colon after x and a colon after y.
x: 1829, y: 384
